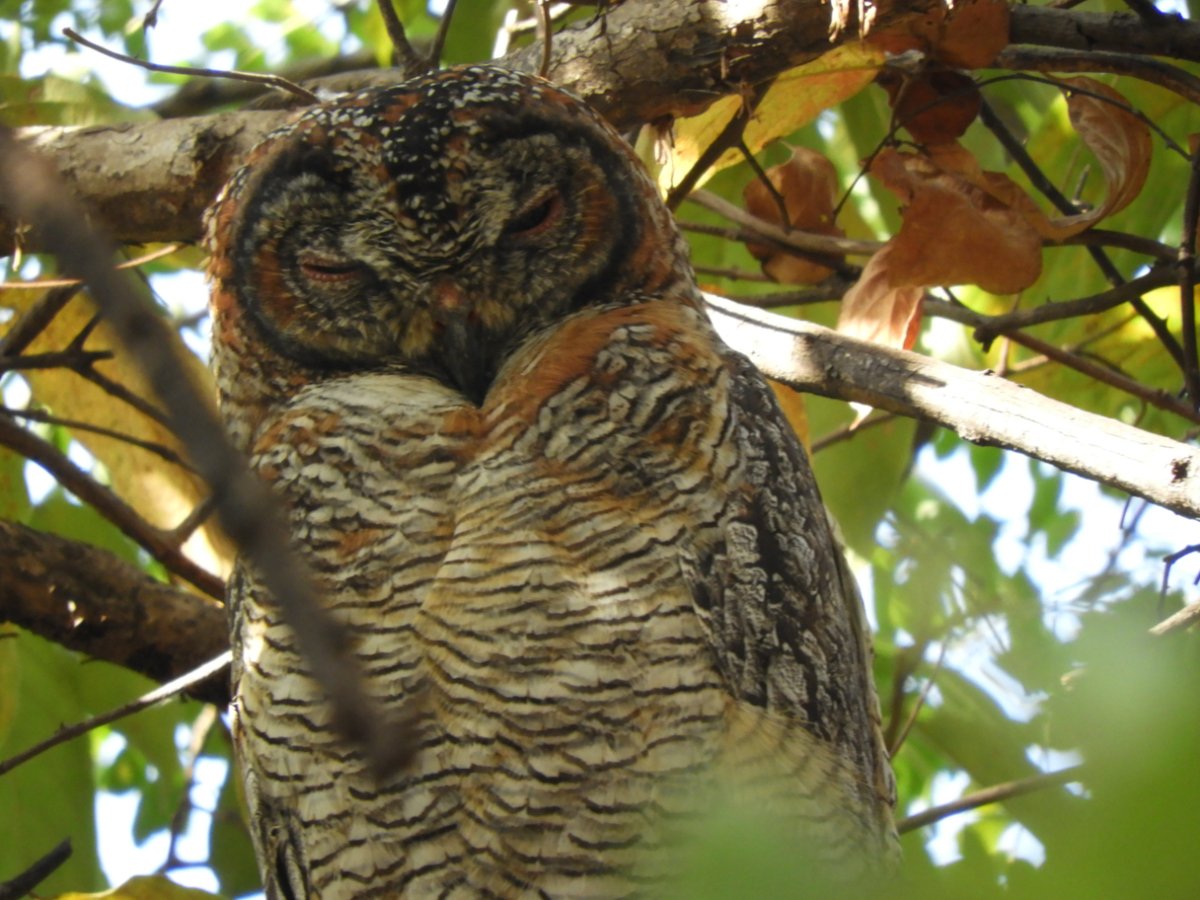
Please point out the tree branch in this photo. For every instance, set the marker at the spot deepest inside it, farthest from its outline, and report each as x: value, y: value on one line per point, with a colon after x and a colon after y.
x: 978, y: 407
x: 86, y: 599
x: 993, y: 794
x: 180, y: 685
x: 151, y: 181
x: 1175, y: 36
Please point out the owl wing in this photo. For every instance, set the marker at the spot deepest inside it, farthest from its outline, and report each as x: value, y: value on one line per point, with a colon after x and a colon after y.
x: 782, y: 610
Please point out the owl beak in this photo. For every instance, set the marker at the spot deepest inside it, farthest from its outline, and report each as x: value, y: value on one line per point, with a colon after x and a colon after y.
x: 465, y: 354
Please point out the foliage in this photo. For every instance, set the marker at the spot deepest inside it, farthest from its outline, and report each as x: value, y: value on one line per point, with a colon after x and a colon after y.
x: 1010, y: 632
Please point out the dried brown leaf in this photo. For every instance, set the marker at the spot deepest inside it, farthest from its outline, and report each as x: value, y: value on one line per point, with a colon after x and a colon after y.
x: 935, y: 106
x: 953, y: 232
x: 808, y: 184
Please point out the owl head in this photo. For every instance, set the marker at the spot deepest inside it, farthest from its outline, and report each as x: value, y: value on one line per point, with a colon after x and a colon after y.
x: 435, y: 225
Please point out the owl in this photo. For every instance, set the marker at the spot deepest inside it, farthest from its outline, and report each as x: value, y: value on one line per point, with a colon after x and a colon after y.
x: 568, y: 531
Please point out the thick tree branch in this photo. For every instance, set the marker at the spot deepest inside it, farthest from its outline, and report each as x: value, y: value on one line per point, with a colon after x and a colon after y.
x: 151, y: 181
x: 1173, y: 36
x: 980, y: 408
x: 87, y: 599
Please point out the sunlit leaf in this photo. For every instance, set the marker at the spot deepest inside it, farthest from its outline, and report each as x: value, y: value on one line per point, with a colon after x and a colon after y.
x: 794, y: 99
x: 145, y: 887
x: 163, y: 492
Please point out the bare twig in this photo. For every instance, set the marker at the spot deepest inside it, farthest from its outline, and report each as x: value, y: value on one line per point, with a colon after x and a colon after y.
x: 245, y: 508
x: 911, y: 719
x: 1184, y: 618
x: 1187, y: 279
x: 24, y: 883
x: 36, y: 415
x: 994, y: 794
x: 406, y: 53
x: 795, y: 240
x: 1070, y: 309
x: 163, y: 692
x: 109, y: 505
x: 201, y: 727
x: 35, y: 320
x: 274, y: 81
x: 1104, y: 374
x: 996, y: 125
x: 1145, y: 68
x: 439, y: 40
x: 64, y: 359
x: 730, y: 136
x: 41, y: 284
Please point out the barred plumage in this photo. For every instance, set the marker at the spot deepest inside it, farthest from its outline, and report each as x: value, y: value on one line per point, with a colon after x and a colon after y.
x: 564, y: 525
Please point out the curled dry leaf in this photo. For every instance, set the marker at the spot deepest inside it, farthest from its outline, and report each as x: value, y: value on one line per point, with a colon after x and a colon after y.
x: 968, y: 35
x: 953, y: 232
x: 935, y: 106
x: 1120, y: 141
x: 808, y: 184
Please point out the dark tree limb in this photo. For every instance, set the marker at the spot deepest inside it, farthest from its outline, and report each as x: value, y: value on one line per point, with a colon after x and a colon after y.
x: 151, y: 181
x: 86, y: 599
x: 994, y: 794
x: 1173, y: 36
x: 24, y: 883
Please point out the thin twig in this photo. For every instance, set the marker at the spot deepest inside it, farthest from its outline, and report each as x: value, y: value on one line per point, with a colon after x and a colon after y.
x: 1187, y: 279
x: 109, y: 505
x: 873, y: 420
x: 911, y: 718
x: 1031, y: 169
x: 732, y: 273
x: 1185, y: 617
x: 36, y: 415
x: 200, y: 730
x: 730, y: 136
x: 406, y: 54
x: 42, y: 284
x: 62, y: 359
x: 24, y: 883
x: 1154, y: 396
x: 780, y: 201
x: 35, y: 320
x: 274, y: 81
x: 163, y: 692
x: 794, y: 239
x: 1070, y: 309
x: 439, y: 39
x: 1057, y: 59
x: 541, y: 9
x: 994, y: 794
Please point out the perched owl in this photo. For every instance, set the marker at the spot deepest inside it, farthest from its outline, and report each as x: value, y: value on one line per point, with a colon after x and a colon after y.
x: 566, y: 528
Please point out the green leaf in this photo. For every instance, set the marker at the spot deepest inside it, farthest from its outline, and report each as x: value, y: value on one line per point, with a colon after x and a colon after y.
x: 50, y: 797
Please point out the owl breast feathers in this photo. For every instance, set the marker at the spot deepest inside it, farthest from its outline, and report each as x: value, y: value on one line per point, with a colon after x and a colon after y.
x: 566, y: 528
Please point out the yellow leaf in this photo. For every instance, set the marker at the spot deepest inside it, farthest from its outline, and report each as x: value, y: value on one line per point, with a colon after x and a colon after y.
x: 161, y: 492
x: 796, y: 97
x: 145, y: 887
